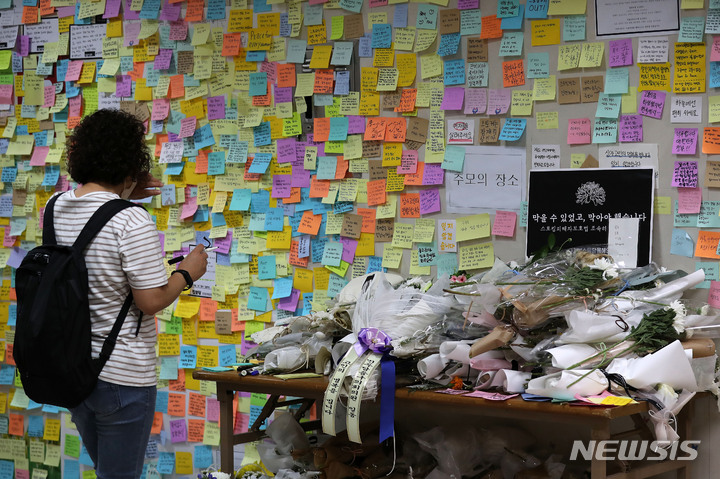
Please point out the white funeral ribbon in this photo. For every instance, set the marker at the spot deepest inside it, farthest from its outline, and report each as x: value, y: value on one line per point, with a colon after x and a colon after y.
x: 357, y: 389
x: 332, y: 393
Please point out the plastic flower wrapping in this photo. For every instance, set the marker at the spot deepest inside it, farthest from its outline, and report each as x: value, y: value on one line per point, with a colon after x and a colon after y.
x: 567, y: 326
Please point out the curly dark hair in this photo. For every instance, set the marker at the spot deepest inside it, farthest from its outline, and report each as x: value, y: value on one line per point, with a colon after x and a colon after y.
x: 107, y: 147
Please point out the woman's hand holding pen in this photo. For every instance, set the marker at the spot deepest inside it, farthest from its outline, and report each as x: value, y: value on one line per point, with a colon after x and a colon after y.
x: 195, y: 263
x: 147, y: 185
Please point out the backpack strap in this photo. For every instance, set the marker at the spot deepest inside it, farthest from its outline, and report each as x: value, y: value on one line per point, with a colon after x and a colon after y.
x: 98, y: 220
x: 48, y: 221
x: 109, y: 344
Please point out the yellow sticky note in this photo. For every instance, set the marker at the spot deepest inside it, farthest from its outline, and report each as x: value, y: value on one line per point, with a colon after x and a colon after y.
x: 577, y: 159
x: 402, y: 236
x: 662, y: 205
x: 628, y: 102
x: 692, y: 4
x: 183, y: 462
x: 431, y: 65
x: 544, y: 88
x: 522, y: 103
x: 476, y: 256
x: 547, y: 120
x: 545, y: 32
x: 391, y: 257
x: 337, y: 27
x: 567, y: 7
x: 321, y: 56
x: 473, y: 227
x: 415, y: 268
x: 592, y: 54
x: 424, y: 230
x: 654, y: 76
x: 187, y: 307
x: 568, y: 56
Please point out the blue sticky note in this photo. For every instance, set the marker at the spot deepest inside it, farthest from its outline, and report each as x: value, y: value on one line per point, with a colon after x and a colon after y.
x: 608, y: 106
x: 52, y: 175
x: 400, y: 16
x: 617, y: 80
x: 282, y: 287
x: 513, y: 129
x: 261, y: 134
x: 338, y: 128
x: 692, y: 29
x: 511, y: 44
x: 202, y: 457
x: 257, y: 298
x: 513, y: 23
x: 712, y: 272
x: 317, y: 249
x: 266, y: 267
x: 7, y: 374
x: 507, y: 8
x: 381, y: 35
x: 605, y: 130
x: 364, y: 47
x: 374, y: 265
x: 274, y: 219
x: 326, y: 167
x: 71, y: 467
x: 226, y: 355
x: 332, y: 255
x: 341, y: 55
x: 188, y: 357
x: 215, y: 9
x: 342, y: 85
x: 454, y: 72
x: 454, y: 158
x: 161, y: 401
x: 216, y: 163
x: 335, y: 284
x: 536, y: 8
x: 203, y: 137
x: 449, y: 44
x: 166, y: 463
x: 260, y: 163
x: 426, y: 18
x: 296, y: 50
x: 169, y: 368
x: 681, y: 244
x: 313, y: 14
x: 447, y: 264
x: 470, y: 22
x: 258, y: 84
x: 36, y: 426
x: 285, y: 27
x: 260, y: 201
x: 255, y: 56
x: 538, y: 65
x: 574, y: 28
x: 240, y: 200
x: 714, y: 74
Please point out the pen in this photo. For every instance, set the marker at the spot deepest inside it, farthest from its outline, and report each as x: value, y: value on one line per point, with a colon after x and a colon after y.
x: 181, y: 257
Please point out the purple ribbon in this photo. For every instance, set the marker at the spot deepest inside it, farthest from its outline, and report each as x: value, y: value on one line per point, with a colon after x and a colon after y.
x: 378, y: 342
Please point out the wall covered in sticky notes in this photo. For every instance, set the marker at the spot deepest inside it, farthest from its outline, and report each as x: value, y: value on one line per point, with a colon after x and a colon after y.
x: 314, y: 142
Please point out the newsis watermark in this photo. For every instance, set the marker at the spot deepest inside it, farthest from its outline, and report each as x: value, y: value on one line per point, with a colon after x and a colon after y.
x: 634, y: 450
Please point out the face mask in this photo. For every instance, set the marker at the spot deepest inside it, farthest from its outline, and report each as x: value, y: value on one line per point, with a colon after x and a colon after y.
x: 127, y: 191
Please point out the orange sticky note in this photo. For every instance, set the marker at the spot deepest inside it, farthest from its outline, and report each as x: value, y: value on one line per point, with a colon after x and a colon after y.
x: 73, y: 121
x: 177, y: 86
x: 341, y: 168
x: 137, y: 72
x: 395, y: 129
x: 30, y: 15
x: 707, y: 244
x: 17, y: 425
x: 415, y: 179
x: 310, y: 223
x: 375, y: 129
x: 491, y: 27
x: 376, y: 192
x: 711, y: 140
x: 195, y: 10
x: 286, y: 75
x: 294, y: 259
x: 295, y: 196
x: 231, y: 44
x: 201, y: 162
x: 208, y: 308
x: 196, y: 405
x: 368, y: 220
x: 157, y: 423
x: 324, y: 82
x: 176, y: 404
x: 321, y: 129
x: 319, y: 188
x: 513, y: 73
x: 196, y: 430
x: 410, y: 205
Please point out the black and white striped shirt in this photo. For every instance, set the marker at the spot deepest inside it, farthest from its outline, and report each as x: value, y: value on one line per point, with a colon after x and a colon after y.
x: 125, y: 253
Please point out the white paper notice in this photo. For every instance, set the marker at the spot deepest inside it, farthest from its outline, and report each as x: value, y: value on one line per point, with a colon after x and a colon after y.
x: 493, y: 178
x: 8, y: 37
x: 545, y: 157
x: 686, y: 109
x: 623, y: 241
x: 653, y: 50
x: 636, y: 17
x: 637, y: 155
x: 447, y: 239
x: 86, y: 41
x: 41, y: 33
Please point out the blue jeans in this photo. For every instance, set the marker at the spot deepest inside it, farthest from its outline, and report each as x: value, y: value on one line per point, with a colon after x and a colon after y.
x: 114, y: 423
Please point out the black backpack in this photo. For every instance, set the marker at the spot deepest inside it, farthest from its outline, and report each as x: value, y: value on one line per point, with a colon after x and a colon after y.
x: 52, y: 347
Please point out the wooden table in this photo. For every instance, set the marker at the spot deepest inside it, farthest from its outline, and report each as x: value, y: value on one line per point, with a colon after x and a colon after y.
x: 598, y: 419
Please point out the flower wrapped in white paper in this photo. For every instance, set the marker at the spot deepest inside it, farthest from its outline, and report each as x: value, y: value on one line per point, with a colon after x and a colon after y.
x: 564, y: 385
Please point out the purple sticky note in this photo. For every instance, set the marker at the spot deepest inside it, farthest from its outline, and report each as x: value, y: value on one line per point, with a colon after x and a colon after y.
x: 216, y: 107
x: 286, y: 150
x: 224, y: 244
x: 685, y: 141
x: 129, y: 14
x: 652, y: 103
x: 498, y: 101
x: 112, y: 9
x: 349, y: 248
x: 281, y: 186
x: 356, y: 124
x: 16, y: 257
x: 178, y: 431
x: 64, y: 12
x: 685, y: 174
x: 620, y: 53
x: 468, y: 4
x: 283, y: 95
x: 631, y: 129
x: 475, y: 101
x: 290, y: 303
x: 170, y: 11
x: 429, y: 201
x: 23, y: 46
x: 300, y: 176
x: 453, y: 98
x: 433, y: 174
x: 162, y: 59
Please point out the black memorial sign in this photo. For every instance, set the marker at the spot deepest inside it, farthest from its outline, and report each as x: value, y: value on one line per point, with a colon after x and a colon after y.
x: 577, y: 204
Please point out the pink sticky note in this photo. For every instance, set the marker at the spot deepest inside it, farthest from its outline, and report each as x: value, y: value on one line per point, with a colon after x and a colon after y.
x: 74, y: 70
x: 178, y: 431
x: 652, y: 103
x: 271, y: 69
x: 579, y: 131
x: 75, y: 105
x: 714, y: 295
x: 685, y: 174
x: 64, y: 12
x: 408, y: 162
x: 242, y: 422
x: 132, y: 33
x: 212, y: 408
x: 8, y: 240
x: 631, y: 129
x: 161, y: 108
x: 6, y: 94
x: 189, y: 207
x: 290, y: 303
x: 498, y: 101
x: 429, y: 201
x: 689, y: 200
x: 475, y: 101
x: 715, y: 49
x: 38, y: 155
x: 216, y: 107
x: 112, y: 8
x: 620, y: 53
x: 178, y: 30
x: 22, y: 474
x: 49, y: 96
x: 453, y: 98
x: 281, y: 186
x: 685, y: 141
x: 187, y: 127
x: 504, y: 224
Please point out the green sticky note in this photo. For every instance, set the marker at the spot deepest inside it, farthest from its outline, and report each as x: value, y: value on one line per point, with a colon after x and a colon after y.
x: 574, y: 28
x: 72, y: 446
x: 454, y: 158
